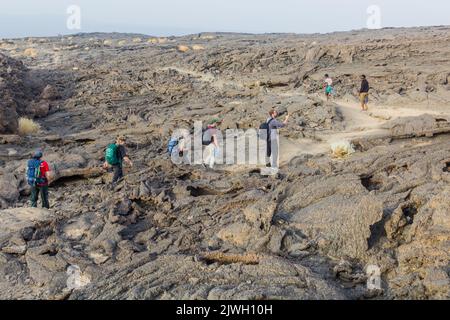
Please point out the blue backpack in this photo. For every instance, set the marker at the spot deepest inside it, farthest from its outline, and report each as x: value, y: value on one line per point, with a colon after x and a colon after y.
x: 172, y: 144
x: 265, y: 126
x: 34, y: 172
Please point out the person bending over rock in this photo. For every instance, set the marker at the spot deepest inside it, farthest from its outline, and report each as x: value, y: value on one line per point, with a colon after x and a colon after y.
x: 38, y: 176
x: 115, y: 154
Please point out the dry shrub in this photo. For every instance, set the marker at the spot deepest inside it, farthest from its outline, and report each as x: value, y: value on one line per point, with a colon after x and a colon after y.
x: 137, y: 40
x: 227, y: 258
x: 182, y: 48
x: 28, y: 126
x: 122, y: 42
x: 342, y: 149
x: 30, y: 52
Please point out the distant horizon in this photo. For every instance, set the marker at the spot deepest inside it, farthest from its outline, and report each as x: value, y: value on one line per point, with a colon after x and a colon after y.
x: 223, y: 32
x: 49, y: 18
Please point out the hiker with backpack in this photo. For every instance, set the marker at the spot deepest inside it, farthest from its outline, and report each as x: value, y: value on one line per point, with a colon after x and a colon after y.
x: 209, y: 139
x: 177, y: 147
x: 178, y: 142
x: 272, y: 125
x: 38, y: 176
x: 115, y: 154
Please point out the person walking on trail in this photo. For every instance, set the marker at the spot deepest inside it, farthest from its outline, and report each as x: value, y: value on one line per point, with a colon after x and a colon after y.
x: 209, y: 139
x: 178, y: 147
x: 114, y: 156
x: 38, y: 176
x: 328, y: 84
x: 273, y: 143
x: 364, y: 93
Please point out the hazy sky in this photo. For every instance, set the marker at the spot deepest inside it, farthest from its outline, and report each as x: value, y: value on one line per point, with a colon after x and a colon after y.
x: 19, y: 18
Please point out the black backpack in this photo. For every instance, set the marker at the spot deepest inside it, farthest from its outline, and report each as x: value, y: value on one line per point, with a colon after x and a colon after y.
x: 206, y: 142
x: 265, y: 126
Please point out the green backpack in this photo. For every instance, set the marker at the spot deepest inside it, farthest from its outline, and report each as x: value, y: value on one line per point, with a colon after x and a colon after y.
x: 111, y: 155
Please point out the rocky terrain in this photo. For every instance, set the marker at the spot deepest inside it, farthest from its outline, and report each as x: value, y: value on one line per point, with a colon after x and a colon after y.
x: 168, y: 231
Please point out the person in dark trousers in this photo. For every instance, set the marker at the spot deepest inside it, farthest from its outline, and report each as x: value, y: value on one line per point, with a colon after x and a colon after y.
x: 40, y: 178
x: 364, y: 93
x: 115, y: 155
x: 272, y: 137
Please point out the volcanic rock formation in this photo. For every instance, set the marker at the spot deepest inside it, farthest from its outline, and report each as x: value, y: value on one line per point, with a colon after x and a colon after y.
x: 169, y: 231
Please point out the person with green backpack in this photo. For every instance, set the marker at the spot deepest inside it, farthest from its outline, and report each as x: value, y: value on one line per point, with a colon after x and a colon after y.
x: 115, y: 154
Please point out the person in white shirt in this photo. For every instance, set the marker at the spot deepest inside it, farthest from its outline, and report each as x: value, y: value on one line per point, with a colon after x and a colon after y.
x: 328, y: 84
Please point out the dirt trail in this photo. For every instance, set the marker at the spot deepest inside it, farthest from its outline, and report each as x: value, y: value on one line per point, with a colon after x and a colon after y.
x: 385, y: 112
x: 213, y: 80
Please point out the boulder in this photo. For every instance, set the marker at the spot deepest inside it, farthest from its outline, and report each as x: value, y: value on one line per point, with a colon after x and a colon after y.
x: 8, y: 118
x: 437, y: 282
x: 341, y: 222
x: 425, y: 248
x: 44, y: 263
x: 10, y: 138
x: 238, y: 234
x: 77, y: 228
x: 261, y: 213
x: 16, y: 221
x: 417, y: 126
x: 49, y: 93
x: 39, y: 109
x: 9, y: 188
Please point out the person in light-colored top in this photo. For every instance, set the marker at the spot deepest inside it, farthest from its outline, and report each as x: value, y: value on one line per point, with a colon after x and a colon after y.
x: 211, y: 142
x: 328, y: 84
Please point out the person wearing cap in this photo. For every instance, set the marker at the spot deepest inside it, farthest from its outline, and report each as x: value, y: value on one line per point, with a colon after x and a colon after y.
x: 120, y: 154
x: 211, y: 142
x: 40, y: 185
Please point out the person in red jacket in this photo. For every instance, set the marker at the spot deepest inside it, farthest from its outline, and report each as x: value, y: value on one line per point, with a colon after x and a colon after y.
x: 41, y: 184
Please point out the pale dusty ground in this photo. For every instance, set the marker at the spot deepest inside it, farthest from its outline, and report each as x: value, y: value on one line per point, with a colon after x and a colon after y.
x: 358, y: 124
